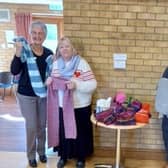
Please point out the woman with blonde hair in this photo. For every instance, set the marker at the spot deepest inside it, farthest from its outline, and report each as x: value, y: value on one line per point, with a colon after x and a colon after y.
x: 70, y: 88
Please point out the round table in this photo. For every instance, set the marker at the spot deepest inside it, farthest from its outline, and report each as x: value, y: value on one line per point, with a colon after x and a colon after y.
x: 118, y: 128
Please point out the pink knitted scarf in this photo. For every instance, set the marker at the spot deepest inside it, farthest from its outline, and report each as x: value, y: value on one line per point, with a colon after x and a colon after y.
x: 53, y: 112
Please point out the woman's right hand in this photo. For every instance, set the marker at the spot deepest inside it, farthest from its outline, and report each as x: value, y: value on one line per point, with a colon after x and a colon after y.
x: 48, y: 81
x: 18, y: 46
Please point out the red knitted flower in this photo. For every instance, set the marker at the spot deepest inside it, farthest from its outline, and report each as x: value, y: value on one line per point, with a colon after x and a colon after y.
x: 77, y: 74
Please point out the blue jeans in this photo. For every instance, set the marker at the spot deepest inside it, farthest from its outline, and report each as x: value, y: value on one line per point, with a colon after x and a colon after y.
x: 165, y: 134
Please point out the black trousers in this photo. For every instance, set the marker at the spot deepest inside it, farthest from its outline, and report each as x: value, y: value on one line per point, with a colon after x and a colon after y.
x: 81, y: 147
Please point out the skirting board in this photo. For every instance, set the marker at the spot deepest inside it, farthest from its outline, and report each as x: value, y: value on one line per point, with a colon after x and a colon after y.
x: 131, y: 153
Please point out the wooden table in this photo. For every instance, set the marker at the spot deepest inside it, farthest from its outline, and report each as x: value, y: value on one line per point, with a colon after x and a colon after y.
x: 118, y: 128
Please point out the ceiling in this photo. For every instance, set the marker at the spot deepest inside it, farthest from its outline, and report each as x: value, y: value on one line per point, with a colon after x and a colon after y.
x: 32, y: 1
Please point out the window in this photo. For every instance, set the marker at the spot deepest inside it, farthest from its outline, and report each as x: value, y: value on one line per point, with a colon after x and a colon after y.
x: 55, y: 30
x: 52, y: 37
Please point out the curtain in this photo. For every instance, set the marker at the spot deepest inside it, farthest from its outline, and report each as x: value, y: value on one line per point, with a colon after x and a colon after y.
x: 23, y: 20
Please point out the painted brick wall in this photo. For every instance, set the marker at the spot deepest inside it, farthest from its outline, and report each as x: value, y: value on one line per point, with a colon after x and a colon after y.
x: 100, y: 28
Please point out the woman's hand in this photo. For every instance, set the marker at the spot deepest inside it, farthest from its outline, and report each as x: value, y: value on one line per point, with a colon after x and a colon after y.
x: 18, y: 46
x: 71, y: 85
x: 48, y: 81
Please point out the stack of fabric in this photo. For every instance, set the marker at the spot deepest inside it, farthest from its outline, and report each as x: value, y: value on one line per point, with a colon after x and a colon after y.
x: 122, y: 110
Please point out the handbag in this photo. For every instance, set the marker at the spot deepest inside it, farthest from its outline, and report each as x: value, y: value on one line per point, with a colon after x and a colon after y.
x: 109, y: 116
x: 105, y: 117
x: 126, y: 117
x: 136, y: 105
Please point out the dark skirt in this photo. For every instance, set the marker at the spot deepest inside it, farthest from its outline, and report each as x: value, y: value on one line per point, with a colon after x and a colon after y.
x: 81, y: 147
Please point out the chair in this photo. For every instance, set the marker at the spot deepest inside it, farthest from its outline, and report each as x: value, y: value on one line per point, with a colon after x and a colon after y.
x: 5, y: 82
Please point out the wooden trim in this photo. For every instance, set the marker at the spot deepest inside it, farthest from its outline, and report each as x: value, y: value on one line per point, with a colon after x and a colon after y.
x: 51, y: 19
x: 131, y: 153
x: 47, y: 15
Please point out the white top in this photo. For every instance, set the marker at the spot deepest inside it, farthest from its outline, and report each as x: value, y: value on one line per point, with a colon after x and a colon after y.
x: 85, y: 84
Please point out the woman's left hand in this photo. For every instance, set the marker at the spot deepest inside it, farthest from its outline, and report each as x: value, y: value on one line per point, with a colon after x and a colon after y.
x: 71, y: 85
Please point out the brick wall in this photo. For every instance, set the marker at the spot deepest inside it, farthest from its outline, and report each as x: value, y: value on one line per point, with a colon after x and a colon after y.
x: 100, y: 28
x: 137, y: 28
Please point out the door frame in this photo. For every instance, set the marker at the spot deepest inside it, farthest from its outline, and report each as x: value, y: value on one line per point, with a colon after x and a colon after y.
x: 51, y: 19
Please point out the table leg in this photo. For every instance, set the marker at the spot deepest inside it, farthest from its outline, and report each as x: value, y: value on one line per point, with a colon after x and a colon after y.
x: 117, y: 164
x: 117, y: 161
